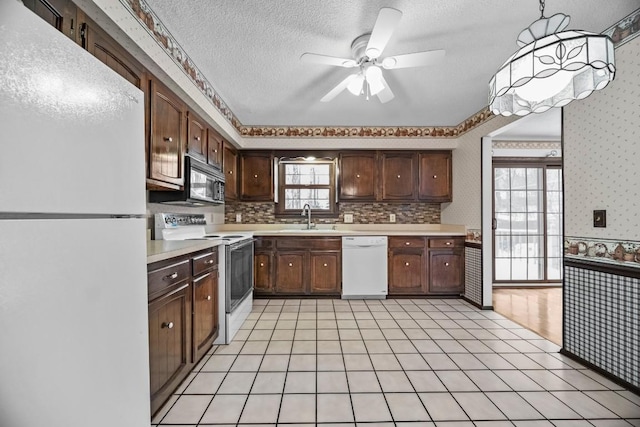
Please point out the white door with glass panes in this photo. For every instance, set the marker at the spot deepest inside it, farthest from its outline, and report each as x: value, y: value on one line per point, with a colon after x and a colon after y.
x: 527, y: 223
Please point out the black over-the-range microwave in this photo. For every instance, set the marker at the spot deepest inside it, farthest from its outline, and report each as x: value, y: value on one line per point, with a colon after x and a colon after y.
x: 203, y: 184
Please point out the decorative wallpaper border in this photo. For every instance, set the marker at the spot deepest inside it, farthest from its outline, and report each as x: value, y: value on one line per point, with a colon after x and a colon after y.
x: 622, y: 252
x: 624, y: 30
x: 524, y: 145
x: 146, y: 16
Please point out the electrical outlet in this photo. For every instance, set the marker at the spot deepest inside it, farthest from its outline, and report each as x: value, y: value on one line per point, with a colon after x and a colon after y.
x: 348, y: 218
x: 392, y: 217
x: 238, y: 217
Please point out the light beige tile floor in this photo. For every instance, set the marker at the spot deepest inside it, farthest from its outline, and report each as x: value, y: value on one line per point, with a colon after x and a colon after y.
x: 410, y: 362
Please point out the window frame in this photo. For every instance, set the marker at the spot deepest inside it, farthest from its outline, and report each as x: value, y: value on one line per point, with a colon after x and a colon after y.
x: 282, y: 212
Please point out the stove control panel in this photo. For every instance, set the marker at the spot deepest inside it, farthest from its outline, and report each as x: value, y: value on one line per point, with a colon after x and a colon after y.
x: 165, y: 220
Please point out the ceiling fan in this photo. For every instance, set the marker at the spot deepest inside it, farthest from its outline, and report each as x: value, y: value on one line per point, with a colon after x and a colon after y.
x: 366, y: 50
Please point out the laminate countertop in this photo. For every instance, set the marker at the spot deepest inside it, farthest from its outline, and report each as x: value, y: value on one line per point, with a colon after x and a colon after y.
x: 159, y: 250
x: 339, y: 230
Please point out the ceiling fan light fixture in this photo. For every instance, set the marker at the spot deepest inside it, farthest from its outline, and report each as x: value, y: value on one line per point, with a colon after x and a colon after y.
x: 355, y: 85
x: 552, y: 68
x: 373, y: 75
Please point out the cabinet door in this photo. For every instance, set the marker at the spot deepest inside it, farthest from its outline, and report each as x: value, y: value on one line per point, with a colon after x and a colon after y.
x: 290, y: 272
x: 167, y: 128
x: 205, y: 313
x: 406, y: 272
x: 256, y: 179
x: 169, y: 343
x: 230, y: 165
x: 197, y: 138
x: 263, y: 274
x: 398, y: 176
x: 214, y: 147
x: 325, y: 275
x: 61, y: 14
x: 357, y: 177
x: 446, y: 271
x: 99, y: 44
x: 435, y: 177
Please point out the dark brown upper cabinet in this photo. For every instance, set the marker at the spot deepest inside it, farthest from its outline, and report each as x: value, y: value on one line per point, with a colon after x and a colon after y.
x: 230, y: 169
x: 256, y: 180
x: 358, y: 176
x: 214, y: 147
x: 61, y: 14
x: 398, y: 176
x: 435, y: 172
x: 197, y: 137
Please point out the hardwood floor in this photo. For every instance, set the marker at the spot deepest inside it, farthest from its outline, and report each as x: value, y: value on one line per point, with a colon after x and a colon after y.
x: 538, y: 309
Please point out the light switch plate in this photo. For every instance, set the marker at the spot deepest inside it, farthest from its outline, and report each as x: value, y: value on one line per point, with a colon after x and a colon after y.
x: 600, y: 218
x: 238, y: 217
x: 348, y: 218
x: 392, y: 217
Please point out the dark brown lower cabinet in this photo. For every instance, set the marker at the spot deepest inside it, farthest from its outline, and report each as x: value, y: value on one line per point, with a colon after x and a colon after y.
x: 169, y: 343
x: 407, y: 271
x: 298, y: 266
x: 446, y: 271
x: 183, y: 319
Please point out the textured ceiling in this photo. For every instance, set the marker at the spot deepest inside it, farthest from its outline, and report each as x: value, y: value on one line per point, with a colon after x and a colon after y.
x: 250, y: 49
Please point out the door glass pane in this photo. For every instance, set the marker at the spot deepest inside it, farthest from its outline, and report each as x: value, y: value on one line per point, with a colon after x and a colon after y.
x: 503, y: 201
x: 554, y: 270
x: 503, y: 269
x: 518, y: 201
x: 518, y: 223
x: 554, y: 223
x: 501, y: 178
x: 518, y: 179
x: 534, y: 246
x: 535, y: 269
x: 534, y: 201
x: 534, y: 179
x: 503, y: 223
x: 518, y: 268
x: 535, y: 224
x: 503, y: 247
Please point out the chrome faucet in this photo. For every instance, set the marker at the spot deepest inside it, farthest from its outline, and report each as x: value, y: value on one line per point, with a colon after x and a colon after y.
x: 306, y: 209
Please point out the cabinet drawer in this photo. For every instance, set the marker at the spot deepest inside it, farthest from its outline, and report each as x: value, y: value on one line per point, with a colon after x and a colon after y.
x: 165, y: 277
x: 406, y: 242
x: 205, y: 262
x: 329, y: 243
x: 263, y: 243
x: 447, y: 242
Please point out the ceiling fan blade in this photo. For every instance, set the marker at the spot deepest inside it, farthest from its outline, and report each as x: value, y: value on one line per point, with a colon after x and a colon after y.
x: 418, y: 59
x: 314, y: 58
x: 339, y: 88
x: 386, y: 23
x: 385, y: 95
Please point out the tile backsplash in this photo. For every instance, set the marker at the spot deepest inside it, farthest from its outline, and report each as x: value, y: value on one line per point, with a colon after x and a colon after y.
x: 363, y: 213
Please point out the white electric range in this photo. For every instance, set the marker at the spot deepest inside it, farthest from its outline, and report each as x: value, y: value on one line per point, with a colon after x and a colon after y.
x: 235, y: 266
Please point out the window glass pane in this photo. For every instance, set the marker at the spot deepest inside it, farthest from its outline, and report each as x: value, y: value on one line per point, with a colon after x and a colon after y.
x: 534, y: 246
x: 519, y: 223
x: 307, y: 174
x: 554, y: 246
x: 554, y: 222
x: 503, y: 269
x: 519, y: 268
x: 534, y: 201
x: 518, y: 201
x: 501, y: 178
x: 534, y: 178
x: 518, y: 179
x: 503, y: 246
x: 534, y: 223
x: 553, y: 202
x: 503, y: 223
x: 296, y: 198
x: 503, y: 201
x: 553, y: 179
x: 535, y: 269
x: 519, y: 246
x: 554, y: 271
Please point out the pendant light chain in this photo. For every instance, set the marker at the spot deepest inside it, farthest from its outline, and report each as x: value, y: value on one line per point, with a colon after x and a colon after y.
x: 542, y: 9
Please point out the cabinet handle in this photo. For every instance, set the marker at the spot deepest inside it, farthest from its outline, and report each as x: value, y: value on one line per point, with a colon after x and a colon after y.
x: 358, y: 175
x: 407, y: 243
x: 168, y: 139
x: 290, y: 264
x: 446, y: 264
x: 197, y: 138
x: 435, y: 176
x: 171, y: 276
x: 215, y: 151
x: 398, y: 176
x: 208, y: 297
x: 448, y: 243
x: 407, y: 264
x: 325, y: 264
x: 168, y: 325
x: 255, y: 176
x: 262, y: 264
x: 209, y: 261
x: 230, y: 172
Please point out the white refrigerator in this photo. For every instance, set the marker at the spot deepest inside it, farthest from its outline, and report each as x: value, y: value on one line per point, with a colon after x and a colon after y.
x: 73, y: 293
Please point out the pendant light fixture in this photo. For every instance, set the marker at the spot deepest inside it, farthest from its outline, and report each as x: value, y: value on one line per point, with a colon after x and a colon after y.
x: 552, y: 68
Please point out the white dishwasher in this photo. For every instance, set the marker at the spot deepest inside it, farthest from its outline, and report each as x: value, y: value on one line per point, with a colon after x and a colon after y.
x: 364, y: 267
